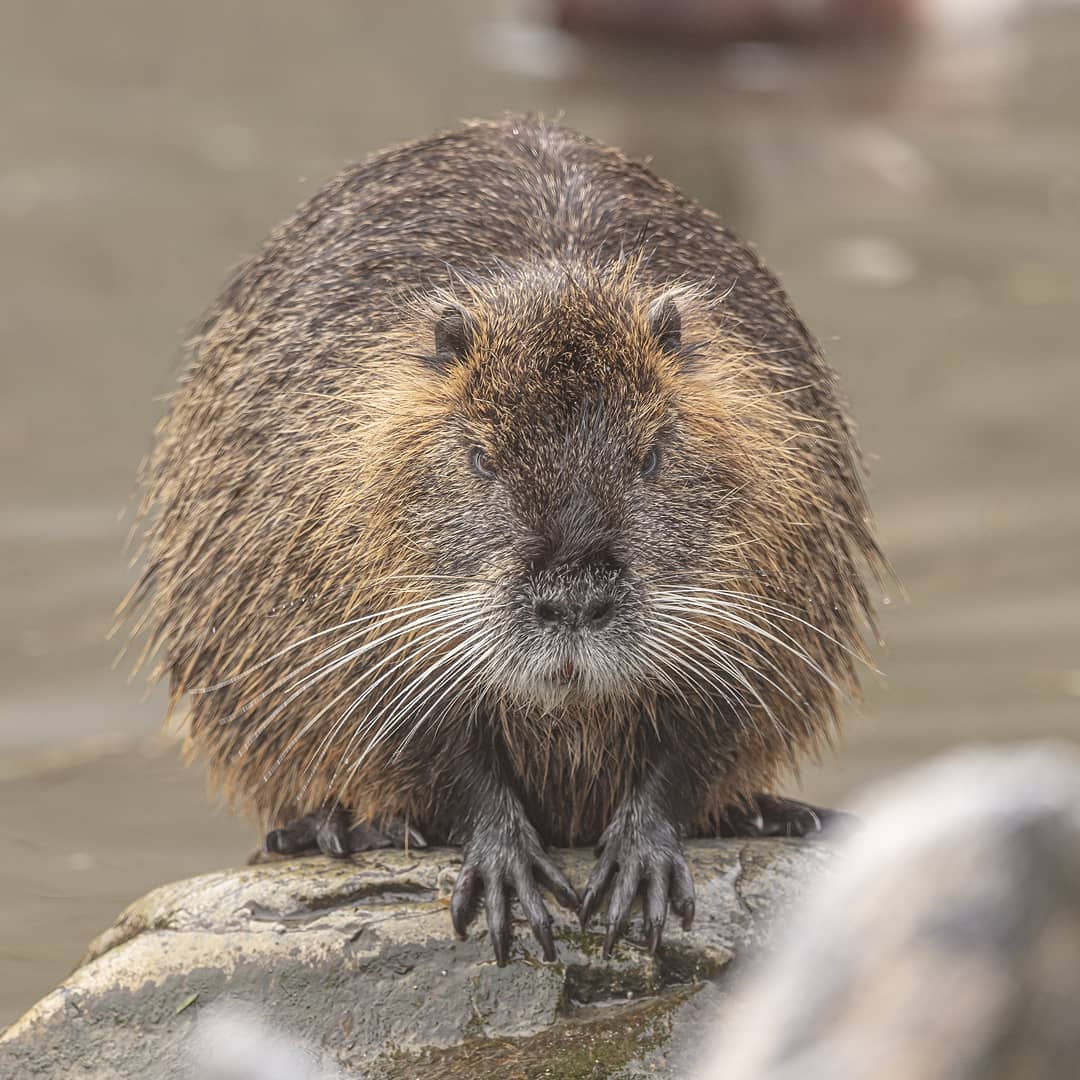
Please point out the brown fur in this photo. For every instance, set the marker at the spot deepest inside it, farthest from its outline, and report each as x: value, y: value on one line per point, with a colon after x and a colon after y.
x: 312, y: 469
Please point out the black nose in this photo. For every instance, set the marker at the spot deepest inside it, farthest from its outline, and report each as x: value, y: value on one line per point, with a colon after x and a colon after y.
x: 593, y: 613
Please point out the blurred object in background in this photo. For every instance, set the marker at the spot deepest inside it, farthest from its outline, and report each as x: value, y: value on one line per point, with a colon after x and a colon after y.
x: 945, y: 947
x: 827, y: 89
x: 233, y: 1042
x: 705, y: 24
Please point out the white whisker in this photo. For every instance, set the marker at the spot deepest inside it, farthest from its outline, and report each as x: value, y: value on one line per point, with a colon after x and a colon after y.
x: 731, y: 659
x: 400, y: 704
x: 439, y: 633
x: 674, y: 632
x: 378, y: 616
x: 729, y: 613
x: 776, y: 609
x: 310, y: 680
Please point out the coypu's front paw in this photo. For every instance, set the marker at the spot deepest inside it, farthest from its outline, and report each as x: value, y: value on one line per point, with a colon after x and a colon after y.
x: 333, y: 832
x: 773, y: 815
x: 641, y: 854
x: 499, y: 861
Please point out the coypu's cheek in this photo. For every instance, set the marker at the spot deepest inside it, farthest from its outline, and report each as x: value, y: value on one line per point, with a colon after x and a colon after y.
x: 432, y: 514
x: 676, y: 519
x: 463, y: 539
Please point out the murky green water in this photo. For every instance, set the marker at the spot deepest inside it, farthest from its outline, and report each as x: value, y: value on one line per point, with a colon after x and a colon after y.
x: 924, y: 213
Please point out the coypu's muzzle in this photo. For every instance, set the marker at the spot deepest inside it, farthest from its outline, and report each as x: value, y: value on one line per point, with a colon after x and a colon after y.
x: 578, y: 622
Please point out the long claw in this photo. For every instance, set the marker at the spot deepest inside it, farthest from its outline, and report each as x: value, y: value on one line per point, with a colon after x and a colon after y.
x: 641, y: 855
x: 599, y: 882
x: 502, y: 863
x: 332, y: 835
x: 364, y: 837
x: 332, y: 832
x: 533, y: 905
x: 654, y: 939
x: 774, y: 815
x: 464, y: 901
x: 609, y: 941
x: 589, y: 903
x: 688, y: 914
x: 497, y: 905
x: 588, y: 907
x: 682, y: 892
x: 415, y: 838
x: 401, y: 835
x: 547, y: 941
x: 294, y: 838
x: 622, y: 899
x: 557, y: 882
x: 654, y: 910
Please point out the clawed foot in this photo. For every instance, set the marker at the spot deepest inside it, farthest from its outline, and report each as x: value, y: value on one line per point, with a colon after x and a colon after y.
x: 333, y: 833
x: 641, y: 854
x: 772, y: 815
x: 499, y: 860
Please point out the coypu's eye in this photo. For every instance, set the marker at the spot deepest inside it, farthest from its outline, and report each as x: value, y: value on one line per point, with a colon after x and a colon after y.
x: 651, y: 462
x: 481, y: 463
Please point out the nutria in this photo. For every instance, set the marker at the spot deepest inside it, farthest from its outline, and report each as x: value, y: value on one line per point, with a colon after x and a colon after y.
x: 507, y: 501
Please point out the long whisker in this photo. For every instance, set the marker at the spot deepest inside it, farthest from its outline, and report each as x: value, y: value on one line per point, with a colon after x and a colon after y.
x: 423, y: 686
x: 439, y: 633
x: 730, y: 613
x: 433, y: 614
x: 776, y: 609
x: 309, y: 680
x: 398, y: 708
x: 447, y: 631
x: 663, y: 667
x: 676, y: 630
x: 436, y: 637
x: 706, y: 679
x: 359, y: 621
x: 732, y: 659
x: 471, y: 663
x: 743, y: 645
x: 727, y: 662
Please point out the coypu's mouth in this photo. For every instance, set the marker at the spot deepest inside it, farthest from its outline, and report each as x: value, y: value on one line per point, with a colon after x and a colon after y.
x: 562, y: 676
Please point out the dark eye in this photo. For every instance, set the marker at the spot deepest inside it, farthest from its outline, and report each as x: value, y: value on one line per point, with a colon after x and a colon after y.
x: 651, y: 462
x: 481, y: 463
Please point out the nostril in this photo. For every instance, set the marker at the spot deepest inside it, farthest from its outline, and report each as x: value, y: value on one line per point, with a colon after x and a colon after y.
x: 598, y: 613
x: 554, y: 613
x: 550, y: 613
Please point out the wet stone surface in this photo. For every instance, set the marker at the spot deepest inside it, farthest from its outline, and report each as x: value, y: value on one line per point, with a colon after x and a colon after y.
x: 357, y: 959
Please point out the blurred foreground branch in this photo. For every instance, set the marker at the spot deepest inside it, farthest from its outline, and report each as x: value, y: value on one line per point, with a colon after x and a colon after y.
x: 946, y: 946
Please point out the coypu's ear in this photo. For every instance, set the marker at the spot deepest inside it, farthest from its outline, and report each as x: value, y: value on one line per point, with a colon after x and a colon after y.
x: 454, y: 331
x: 665, y: 322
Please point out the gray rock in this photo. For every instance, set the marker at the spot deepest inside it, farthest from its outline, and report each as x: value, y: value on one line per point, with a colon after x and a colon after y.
x: 356, y: 962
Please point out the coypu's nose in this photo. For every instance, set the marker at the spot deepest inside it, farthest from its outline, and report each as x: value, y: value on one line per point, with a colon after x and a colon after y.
x: 555, y: 612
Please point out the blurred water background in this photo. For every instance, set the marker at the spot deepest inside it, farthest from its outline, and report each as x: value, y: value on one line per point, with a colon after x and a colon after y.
x: 922, y: 206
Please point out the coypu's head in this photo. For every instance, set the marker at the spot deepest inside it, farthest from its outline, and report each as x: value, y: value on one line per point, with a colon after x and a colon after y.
x: 575, y: 455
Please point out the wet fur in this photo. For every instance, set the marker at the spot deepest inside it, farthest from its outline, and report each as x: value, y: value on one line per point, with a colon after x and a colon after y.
x: 311, y: 470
